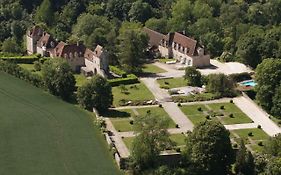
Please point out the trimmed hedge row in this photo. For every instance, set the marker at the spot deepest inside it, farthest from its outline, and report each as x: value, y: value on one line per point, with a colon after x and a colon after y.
x: 21, y: 59
x: 130, y: 79
x: 15, y: 70
x: 118, y: 71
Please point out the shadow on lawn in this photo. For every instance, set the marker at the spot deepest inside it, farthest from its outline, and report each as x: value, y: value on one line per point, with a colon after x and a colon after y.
x: 111, y: 113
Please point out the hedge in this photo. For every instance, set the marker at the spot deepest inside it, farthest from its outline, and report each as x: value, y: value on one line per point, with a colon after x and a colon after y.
x: 15, y: 70
x: 118, y: 71
x: 21, y: 59
x: 130, y: 79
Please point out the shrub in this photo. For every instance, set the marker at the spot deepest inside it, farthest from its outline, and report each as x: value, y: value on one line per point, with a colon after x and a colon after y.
x: 231, y: 101
x: 235, y: 145
x: 231, y: 115
x: 208, y: 117
x: 21, y: 59
x: 118, y: 71
x: 179, y: 104
x: 177, y: 126
x: 178, y: 150
x: 165, y: 87
x: 260, y: 143
x: 250, y: 134
x: 160, y: 105
x: 130, y: 79
x: 131, y: 122
x: 167, y: 83
x: 259, y: 126
x: 199, y: 109
x: 37, y: 66
x: 222, y: 107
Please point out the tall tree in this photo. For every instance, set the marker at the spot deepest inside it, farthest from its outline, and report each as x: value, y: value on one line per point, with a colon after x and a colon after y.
x: 209, y: 148
x: 193, y: 77
x: 152, y: 138
x: 244, y: 161
x: 95, y: 93
x: 45, y: 13
x: 268, y: 77
x: 58, y: 78
x: 220, y: 84
x: 140, y: 11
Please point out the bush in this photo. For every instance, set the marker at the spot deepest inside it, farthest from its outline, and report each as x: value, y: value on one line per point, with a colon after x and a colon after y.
x: 21, y: 59
x: 231, y: 101
x: 222, y: 107
x: 131, y: 122
x: 165, y: 87
x: 178, y: 150
x: 160, y: 105
x: 260, y: 143
x: 259, y: 126
x: 208, y: 117
x: 231, y: 115
x: 177, y: 126
x: 130, y: 79
x: 250, y: 134
x: 118, y: 71
x: 199, y: 109
x: 235, y: 145
x: 37, y: 66
x: 179, y: 104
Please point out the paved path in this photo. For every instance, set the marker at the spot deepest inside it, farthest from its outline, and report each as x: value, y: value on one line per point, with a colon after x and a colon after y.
x: 241, y: 126
x: 259, y: 116
x: 221, y: 100
x: 134, y: 107
x: 160, y: 94
x: 119, y: 144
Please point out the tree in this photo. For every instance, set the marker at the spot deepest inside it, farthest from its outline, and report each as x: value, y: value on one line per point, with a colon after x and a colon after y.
x: 131, y: 48
x: 10, y: 46
x: 209, y: 148
x: 118, y: 9
x: 244, y: 161
x: 58, y: 78
x: 220, y: 84
x: 276, y: 100
x: 273, y: 146
x: 95, y: 93
x: 273, y: 167
x: 140, y: 11
x: 268, y: 77
x: 152, y: 137
x: 159, y: 25
x: 45, y: 13
x: 193, y: 77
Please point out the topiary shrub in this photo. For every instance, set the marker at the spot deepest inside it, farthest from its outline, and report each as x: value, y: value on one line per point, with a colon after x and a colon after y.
x: 160, y: 106
x: 260, y: 143
x: 222, y: 107
x: 179, y: 104
x: 259, y: 126
x: 208, y: 117
x: 177, y: 126
x: 199, y: 109
x: 231, y: 101
x: 250, y: 134
x: 231, y: 115
x: 132, y: 122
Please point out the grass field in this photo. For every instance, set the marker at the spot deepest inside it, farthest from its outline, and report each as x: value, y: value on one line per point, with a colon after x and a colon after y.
x: 152, y: 69
x: 223, y: 115
x: 134, y: 92
x: 41, y: 134
x: 80, y: 79
x: 169, y: 83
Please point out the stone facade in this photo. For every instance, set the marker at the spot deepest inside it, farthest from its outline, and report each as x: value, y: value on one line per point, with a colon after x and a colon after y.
x: 180, y: 47
x: 77, y: 55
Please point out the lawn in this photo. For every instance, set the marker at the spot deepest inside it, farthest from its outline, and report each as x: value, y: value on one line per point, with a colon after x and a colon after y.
x: 121, y: 118
x: 169, y: 83
x: 214, y: 109
x: 179, y: 139
x: 30, y: 67
x: 41, y: 134
x: 152, y: 69
x: 164, y: 60
x: 135, y: 92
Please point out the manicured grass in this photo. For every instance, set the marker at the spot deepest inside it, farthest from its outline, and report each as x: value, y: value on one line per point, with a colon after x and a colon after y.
x: 258, y: 134
x: 121, y: 118
x: 196, y: 116
x: 29, y: 67
x: 257, y: 148
x: 80, y: 79
x: 160, y: 112
x: 129, y: 142
x: 136, y: 92
x: 152, y: 69
x: 196, y: 97
x: 169, y: 83
x: 230, y: 108
x: 179, y: 139
x: 41, y: 134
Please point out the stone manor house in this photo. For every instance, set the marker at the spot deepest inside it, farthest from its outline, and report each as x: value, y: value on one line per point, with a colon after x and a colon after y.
x: 178, y: 46
x: 77, y: 55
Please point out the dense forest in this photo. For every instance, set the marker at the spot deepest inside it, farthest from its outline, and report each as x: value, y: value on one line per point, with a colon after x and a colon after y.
x: 233, y: 30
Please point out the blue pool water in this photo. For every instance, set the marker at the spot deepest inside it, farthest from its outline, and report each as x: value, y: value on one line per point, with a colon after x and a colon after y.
x: 249, y: 83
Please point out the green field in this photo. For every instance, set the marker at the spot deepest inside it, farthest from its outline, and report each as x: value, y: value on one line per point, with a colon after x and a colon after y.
x: 152, y: 69
x: 41, y: 134
x: 169, y: 83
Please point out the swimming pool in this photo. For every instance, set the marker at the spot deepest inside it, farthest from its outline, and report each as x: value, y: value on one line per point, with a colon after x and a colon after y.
x: 249, y: 83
